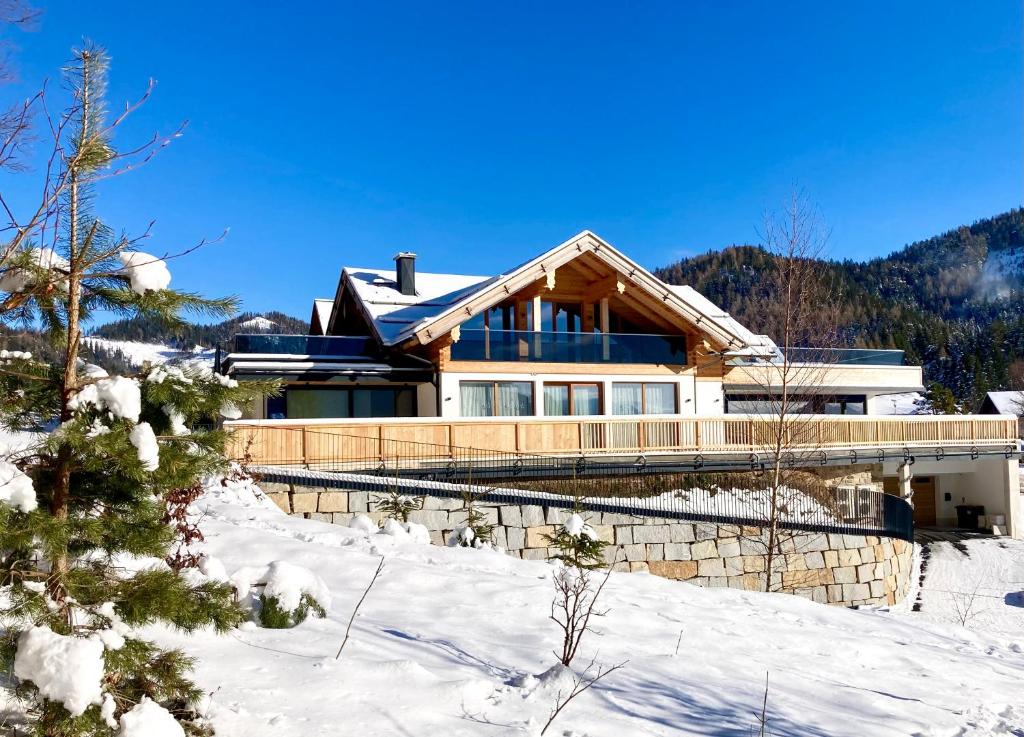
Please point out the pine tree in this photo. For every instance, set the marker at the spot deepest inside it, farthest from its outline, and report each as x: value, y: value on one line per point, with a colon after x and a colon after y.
x: 84, y: 530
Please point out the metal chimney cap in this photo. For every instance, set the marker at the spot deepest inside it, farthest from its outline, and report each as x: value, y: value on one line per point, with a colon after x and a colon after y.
x: 404, y: 254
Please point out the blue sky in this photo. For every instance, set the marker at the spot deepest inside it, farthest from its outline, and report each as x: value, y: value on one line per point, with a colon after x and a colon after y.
x: 478, y: 134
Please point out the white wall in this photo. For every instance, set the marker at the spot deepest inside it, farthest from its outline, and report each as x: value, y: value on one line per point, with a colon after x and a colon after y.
x: 708, y: 400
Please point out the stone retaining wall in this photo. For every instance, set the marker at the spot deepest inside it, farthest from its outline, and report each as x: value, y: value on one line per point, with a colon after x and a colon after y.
x: 831, y: 569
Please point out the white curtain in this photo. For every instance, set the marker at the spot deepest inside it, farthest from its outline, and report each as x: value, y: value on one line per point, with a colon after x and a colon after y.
x: 660, y: 399
x: 477, y: 398
x: 556, y: 400
x: 586, y: 400
x: 515, y: 398
x: 626, y: 399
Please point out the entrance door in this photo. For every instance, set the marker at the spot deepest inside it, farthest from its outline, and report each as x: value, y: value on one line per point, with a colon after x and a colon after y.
x: 924, y: 500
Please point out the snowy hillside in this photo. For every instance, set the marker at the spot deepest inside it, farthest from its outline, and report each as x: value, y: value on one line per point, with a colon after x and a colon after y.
x: 136, y: 353
x: 257, y: 324
x: 450, y: 641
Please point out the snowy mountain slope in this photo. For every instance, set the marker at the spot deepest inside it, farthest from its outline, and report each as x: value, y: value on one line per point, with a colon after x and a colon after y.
x: 137, y: 353
x: 448, y: 639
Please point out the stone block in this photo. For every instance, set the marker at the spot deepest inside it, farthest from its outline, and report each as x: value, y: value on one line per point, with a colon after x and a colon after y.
x: 753, y: 581
x: 814, y: 544
x: 831, y: 558
x: 634, y: 552
x: 605, y: 532
x: 879, y: 553
x: 853, y: 541
x: 835, y: 542
x: 835, y: 593
x: 705, y: 531
x: 281, y: 500
x: 535, y: 536
x: 332, y: 501
x: 735, y: 582
x: 865, y: 573
x: 814, y: 560
x: 856, y: 592
x: 611, y: 518
x: 681, y: 532
x: 753, y: 563
x: 498, y: 537
x: 447, y: 503
x: 748, y: 531
x: 322, y: 516
x: 556, y: 515
x: 717, y: 582
x: 795, y: 562
x: 677, y: 551
x: 877, y: 589
x: 844, y: 575
x: 819, y: 595
x: 274, y: 487
x: 638, y: 566
x: 655, y: 551
x: 342, y: 518
x: 303, y: 503
x: 728, y: 530
x: 535, y: 554
x: 806, y: 579
x: 358, y: 501
x: 621, y: 566
x: 849, y: 557
x: 733, y: 566
x: 703, y: 550
x: 434, y: 519
x: 489, y: 514
x: 510, y: 515
x: 729, y: 548
x: 532, y: 515
x: 711, y: 567
x: 651, y: 534
x: 515, y: 537
x: 623, y: 534
x: 753, y: 546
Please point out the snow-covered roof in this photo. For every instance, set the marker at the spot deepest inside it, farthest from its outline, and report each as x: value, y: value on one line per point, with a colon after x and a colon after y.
x: 1008, y: 403
x: 322, y: 308
x: 396, y: 315
x: 754, y: 345
x: 440, y: 298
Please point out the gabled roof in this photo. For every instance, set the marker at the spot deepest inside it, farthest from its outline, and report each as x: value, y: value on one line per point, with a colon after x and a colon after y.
x: 1007, y: 403
x: 444, y: 301
x: 321, y: 316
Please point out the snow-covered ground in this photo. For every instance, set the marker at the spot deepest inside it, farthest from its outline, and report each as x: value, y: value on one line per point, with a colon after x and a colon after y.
x: 139, y: 353
x: 449, y: 639
x: 976, y: 583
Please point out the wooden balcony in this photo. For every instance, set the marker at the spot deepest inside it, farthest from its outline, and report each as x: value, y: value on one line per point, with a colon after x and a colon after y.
x: 313, y: 443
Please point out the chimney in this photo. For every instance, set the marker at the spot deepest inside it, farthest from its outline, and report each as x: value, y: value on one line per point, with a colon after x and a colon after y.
x: 405, y: 272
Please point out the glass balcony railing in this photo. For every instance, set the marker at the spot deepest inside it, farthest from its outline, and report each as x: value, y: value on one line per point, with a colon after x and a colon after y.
x: 847, y: 356
x: 525, y: 345
x: 305, y: 345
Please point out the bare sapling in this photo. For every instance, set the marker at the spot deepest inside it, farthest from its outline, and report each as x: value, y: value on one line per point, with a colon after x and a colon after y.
x: 575, y: 602
x: 348, y: 629
x: 580, y: 682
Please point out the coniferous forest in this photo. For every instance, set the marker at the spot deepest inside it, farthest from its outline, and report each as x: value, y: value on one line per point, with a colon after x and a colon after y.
x: 954, y: 302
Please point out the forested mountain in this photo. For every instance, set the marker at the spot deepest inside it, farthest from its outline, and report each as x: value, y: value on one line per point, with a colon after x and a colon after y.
x: 189, y: 336
x: 954, y: 303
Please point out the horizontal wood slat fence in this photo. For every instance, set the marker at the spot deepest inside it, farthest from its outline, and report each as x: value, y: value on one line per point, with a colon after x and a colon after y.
x: 291, y: 442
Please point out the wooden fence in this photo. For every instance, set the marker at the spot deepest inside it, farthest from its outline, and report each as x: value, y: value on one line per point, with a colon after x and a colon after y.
x: 293, y: 442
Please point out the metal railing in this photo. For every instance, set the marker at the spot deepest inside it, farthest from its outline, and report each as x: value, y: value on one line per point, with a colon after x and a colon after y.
x: 609, y: 348
x: 848, y: 356
x: 637, y: 489
x: 335, y: 346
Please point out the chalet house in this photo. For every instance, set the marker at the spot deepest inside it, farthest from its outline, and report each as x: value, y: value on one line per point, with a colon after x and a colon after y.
x: 582, y: 353
x: 579, y: 330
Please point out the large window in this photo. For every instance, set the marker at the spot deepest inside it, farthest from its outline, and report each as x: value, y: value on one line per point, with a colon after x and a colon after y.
x: 569, y: 398
x: 496, y: 398
x: 316, y: 402
x: 642, y: 398
x: 767, y: 404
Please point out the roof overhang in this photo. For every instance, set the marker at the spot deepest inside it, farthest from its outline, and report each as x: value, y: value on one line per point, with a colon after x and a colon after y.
x: 545, y: 264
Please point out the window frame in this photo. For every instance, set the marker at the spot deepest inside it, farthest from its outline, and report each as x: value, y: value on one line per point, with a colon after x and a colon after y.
x: 643, y: 397
x: 570, y: 385
x: 493, y: 383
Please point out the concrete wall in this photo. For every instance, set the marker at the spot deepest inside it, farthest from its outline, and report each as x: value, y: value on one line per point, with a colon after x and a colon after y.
x: 834, y: 569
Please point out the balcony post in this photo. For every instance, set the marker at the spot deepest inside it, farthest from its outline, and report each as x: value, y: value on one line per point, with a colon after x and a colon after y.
x: 605, y: 329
